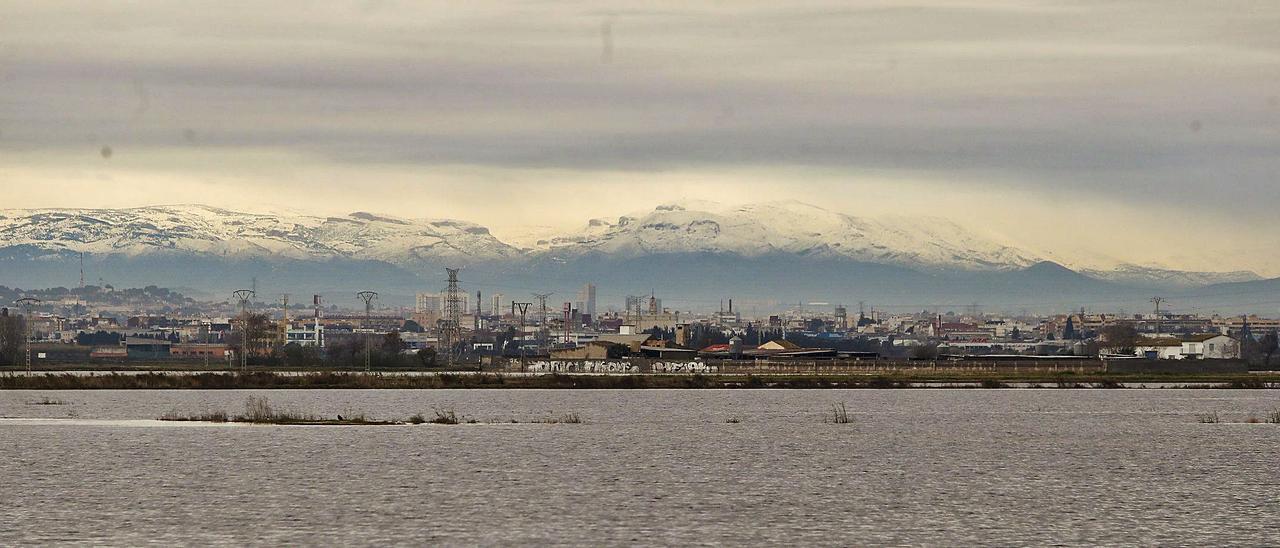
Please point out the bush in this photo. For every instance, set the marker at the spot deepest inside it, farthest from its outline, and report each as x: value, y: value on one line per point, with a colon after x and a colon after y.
x: 445, y: 417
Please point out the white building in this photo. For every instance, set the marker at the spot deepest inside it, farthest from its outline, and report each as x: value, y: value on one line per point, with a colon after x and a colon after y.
x: 1159, y: 349
x: 1211, y: 346
x: 312, y: 335
x: 428, y: 302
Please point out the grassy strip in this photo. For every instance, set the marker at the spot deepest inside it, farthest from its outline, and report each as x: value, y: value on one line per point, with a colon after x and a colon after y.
x: 322, y: 380
x: 258, y: 410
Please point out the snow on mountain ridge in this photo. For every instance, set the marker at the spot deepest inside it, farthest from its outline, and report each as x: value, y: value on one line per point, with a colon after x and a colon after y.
x: 753, y: 230
x: 209, y: 230
x: 793, y: 227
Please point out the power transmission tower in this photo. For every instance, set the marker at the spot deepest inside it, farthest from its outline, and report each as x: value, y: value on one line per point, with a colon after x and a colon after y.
x: 452, y: 332
x: 542, y: 315
x: 245, y: 298
x: 1157, y: 301
x: 80, y: 290
x: 284, y: 321
x: 27, y: 303
x: 367, y: 297
x: 524, y: 309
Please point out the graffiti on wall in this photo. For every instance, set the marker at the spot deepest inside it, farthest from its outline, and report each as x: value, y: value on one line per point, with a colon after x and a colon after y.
x: 611, y: 367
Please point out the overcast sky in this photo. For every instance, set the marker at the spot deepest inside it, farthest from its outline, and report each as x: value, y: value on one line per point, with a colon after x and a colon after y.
x: 1148, y: 131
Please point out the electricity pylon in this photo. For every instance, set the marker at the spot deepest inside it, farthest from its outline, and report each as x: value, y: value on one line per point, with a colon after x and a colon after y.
x: 245, y: 297
x: 367, y: 297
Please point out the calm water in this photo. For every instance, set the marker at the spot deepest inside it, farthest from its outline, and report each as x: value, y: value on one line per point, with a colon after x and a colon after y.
x: 932, y: 467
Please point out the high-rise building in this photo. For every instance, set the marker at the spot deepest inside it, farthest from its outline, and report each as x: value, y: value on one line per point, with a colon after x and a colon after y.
x: 463, y: 302
x: 586, y: 303
x: 633, y: 304
x: 499, y: 304
x: 434, y: 303
x: 428, y: 303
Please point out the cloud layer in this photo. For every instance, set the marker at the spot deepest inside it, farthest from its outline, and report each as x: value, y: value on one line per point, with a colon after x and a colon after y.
x: 1156, y: 121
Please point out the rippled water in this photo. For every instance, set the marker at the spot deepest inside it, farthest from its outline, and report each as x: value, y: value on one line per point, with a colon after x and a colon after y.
x: 935, y: 467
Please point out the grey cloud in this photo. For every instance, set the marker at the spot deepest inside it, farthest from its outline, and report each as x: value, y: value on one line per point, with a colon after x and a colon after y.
x: 1126, y: 99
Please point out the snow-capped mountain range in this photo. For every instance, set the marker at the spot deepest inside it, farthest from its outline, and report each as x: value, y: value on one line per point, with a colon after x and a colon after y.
x: 202, y: 230
x: 792, y: 228
x: 749, y: 231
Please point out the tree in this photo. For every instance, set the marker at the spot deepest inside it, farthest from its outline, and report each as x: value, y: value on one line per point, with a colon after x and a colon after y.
x: 392, y: 344
x: 253, y: 333
x: 925, y: 352
x: 427, y: 357
x: 1119, y: 339
x: 411, y: 326
x: 1270, y: 344
x: 12, y: 333
x: 100, y: 338
x: 297, y: 355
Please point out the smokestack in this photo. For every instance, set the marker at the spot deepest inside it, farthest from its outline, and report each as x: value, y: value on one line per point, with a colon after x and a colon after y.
x: 731, y: 306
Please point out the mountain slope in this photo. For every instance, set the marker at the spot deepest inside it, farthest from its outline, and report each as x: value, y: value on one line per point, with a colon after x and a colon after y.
x: 782, y: 251
x: 792, y: 228
x: 207, y: 231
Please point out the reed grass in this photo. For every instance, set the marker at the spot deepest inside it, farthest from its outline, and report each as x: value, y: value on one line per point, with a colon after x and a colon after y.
x: 839, y: 415
x: 445, y: 417
x: 1209, y: 418
x: 567, y: 418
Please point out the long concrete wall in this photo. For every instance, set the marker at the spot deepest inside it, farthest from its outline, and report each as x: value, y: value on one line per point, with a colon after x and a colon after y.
x: 816, y: 367
x: 1177, y: 366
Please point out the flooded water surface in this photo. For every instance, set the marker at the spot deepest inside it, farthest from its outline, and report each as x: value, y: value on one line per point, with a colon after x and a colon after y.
x: 921, y: 466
